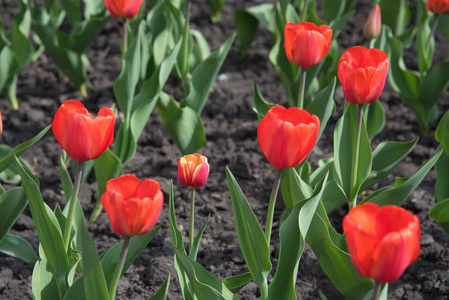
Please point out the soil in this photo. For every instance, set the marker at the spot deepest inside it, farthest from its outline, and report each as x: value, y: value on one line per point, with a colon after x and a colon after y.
x: 231, y: 127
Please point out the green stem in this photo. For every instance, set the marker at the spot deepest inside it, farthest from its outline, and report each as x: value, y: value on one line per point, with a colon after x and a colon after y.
x: 264, y: 292
x: 185, y: 50
x: 96, y: 212
x: 302, y: 85
x: 377, y: 287
x: 125, y: 37
x: 355, y: 158
x: 371, y: 43
x: 119, y: 268
x: 271, y: 205
x: 434, y: 26
x: 72, y: 205
x: 192, y: 218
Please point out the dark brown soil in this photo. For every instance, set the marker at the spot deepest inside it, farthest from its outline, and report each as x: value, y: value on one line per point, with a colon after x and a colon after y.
x: 231, y: 132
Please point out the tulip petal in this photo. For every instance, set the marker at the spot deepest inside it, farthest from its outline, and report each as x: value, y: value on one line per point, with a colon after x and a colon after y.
x: 200, y: 175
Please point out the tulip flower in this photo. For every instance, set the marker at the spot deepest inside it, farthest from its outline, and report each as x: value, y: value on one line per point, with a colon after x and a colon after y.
x: 440, y: 7
x: 193, y: 170
x: 383, y: 241
x: 306, y: 44
x: 133, y: 206
x: 373, y: 25
x: 362, y: 73
x: 79, y: 134
x: 123, y: 8
x: 286, y: 136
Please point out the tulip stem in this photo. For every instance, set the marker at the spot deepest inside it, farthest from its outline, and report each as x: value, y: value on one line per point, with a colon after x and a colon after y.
x: 271, y: 205
x: 72, y: 205
x: 355, y: 158
x: 434, y: 26
x: 119, y: 268
x: 125, y: 37
x: 377, y: 288
x: 302, y: 85
x: 192, y: 218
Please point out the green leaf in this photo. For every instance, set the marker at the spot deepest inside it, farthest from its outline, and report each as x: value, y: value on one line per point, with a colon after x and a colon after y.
x: 395, y: 14
x: 330, y: 249
x: 18, y: 247
x: 332, y: 9
x: 18, y: 150
x: 323, y: 105
x: 292, y: 242
x: 374, y: 118
x: 237, y: 282
x: 386, y: 158
x: 196, y: 243
x: 333, y: 196
x: 66, y: 181
x: 43, y: 282
x: 442, y: 132
x: 440, y: 212
x: 252, y: 241
x: 434, y: 84
x: 246, y: 26
x: 203, y: 77
x: 94, y: 281
x: 442, y: 170
x: 47, y: 228
x: 294, y: 188
x: 161, y: 294
x: 216, y: 6
x: 12, y: 203
x: 204, y: 285
x: 260, y: 105
x: 395, y: 195
x: 183, y: 123
x: 344, y: 140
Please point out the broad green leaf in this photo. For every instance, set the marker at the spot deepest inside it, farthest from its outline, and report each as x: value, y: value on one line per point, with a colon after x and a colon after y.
x: 395, y: 195
x: 95, y: 287
x: 323, y: 106
x: 18, y: 150
x: 12, y: 203
x: 237, y: 282
x: 442, y: 132
x: 8, y: 64
x: 395, y: 14
x: 264, y: 13
x: 260, y: 105
x: 330, y: 249
x: 18, y: 247
x: 252, y: 241
x: 107, y: 166
x: 374, y: 118
x: 43, y: 282
x: 204, y: 75
x: 386, y: 158
x: 293, y: 188
x: 440, y: 212
x: 434, y: 84
x: 161, y: 294
x: 183, y: 123
x: 332, y: 9
x: 425, y: 43
x: 196, y: 243
x: 47, y: 228
x: 292, y: 241
x: 333, y: 196
x: 246, y: 26
x: 109, y: 260
x: 442, y: 170
x: 344, y: 141
x: 204, y: 285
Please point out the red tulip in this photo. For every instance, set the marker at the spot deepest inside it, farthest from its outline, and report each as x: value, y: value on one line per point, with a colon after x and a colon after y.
x: 306, y: 44
x: 362, y: 73
x: 286, y: 136
x: 123, y: 8
x: 133, y: 207
x: 440, y: 7
x: 81, y: 136
x: 382, y: 242
x: 373, y: 25
x: 193, y: 170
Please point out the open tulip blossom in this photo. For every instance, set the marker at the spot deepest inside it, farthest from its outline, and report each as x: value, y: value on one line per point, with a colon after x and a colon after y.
x: 79, y: 134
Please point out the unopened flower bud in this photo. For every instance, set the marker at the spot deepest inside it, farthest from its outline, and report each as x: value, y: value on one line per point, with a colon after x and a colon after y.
x: 373, y: 25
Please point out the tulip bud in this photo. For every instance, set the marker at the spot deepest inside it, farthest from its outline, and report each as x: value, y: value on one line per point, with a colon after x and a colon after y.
x: 81, y: 136
x: 440, y: 7
x: 383, y: 241
x: 133, y: 206
x: 373, y: 25
x: 193, y: 170
x: 286, y: 136
x: 123, y: 8
x: 362, y: 73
